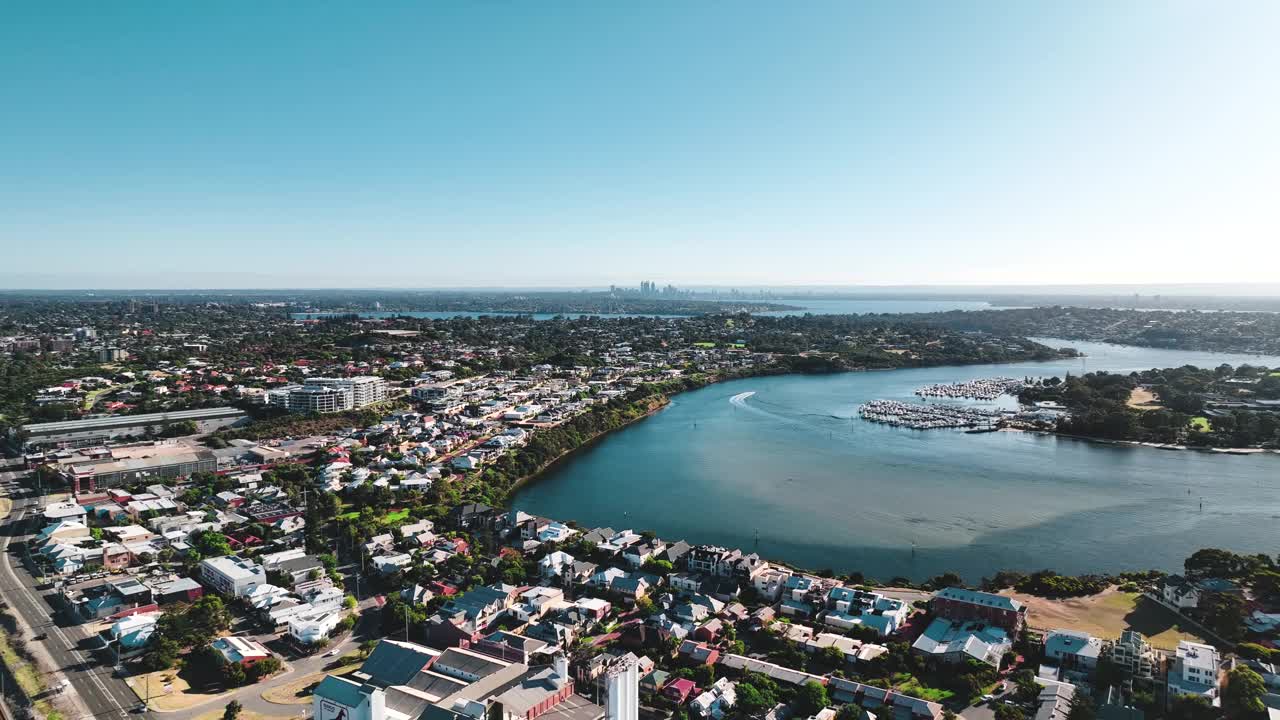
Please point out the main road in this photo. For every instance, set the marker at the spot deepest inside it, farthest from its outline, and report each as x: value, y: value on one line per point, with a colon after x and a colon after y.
x: 63, y: 655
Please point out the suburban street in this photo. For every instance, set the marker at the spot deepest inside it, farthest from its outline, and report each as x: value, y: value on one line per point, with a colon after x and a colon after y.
x: 64, y: 655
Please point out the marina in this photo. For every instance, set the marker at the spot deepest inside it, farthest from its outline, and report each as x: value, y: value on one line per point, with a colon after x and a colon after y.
x: 978, y: 389
x: 927, y: 417
x: 826, y: 489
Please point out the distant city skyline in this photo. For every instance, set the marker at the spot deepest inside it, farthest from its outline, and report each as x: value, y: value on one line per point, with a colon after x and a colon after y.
x: 238, y: 145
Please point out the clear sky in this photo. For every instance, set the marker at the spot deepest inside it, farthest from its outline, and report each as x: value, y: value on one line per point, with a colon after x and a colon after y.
x: 166, y: 144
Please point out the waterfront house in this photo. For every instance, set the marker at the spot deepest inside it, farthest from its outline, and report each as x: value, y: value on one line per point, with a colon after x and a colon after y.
x: 1180, y: 592
x: 955, y: 603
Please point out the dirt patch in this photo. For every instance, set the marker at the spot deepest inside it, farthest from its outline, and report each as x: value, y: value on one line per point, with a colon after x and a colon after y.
x: 1106, y: 615
x: 1143, y: 399
x: 172, y: 690
x: 299, y: 691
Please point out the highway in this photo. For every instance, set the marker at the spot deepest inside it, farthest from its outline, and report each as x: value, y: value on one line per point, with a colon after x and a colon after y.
x: 64, y: 655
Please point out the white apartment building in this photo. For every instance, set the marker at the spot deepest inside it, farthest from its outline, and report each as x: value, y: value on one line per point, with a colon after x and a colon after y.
x: 326, y: 395
x: 1195, y: 671
x: 232, y: 576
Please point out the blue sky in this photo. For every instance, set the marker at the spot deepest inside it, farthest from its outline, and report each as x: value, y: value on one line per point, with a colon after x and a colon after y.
x: 493, y: 143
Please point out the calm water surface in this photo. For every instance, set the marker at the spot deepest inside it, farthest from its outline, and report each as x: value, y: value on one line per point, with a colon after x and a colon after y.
x: 784, y: 457
x: 815, y: 307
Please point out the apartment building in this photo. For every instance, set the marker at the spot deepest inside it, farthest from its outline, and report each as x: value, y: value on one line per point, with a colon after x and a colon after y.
x: 326, y: 395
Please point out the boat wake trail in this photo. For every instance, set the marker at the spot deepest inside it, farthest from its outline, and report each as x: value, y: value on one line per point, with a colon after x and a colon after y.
x: 741, y: 398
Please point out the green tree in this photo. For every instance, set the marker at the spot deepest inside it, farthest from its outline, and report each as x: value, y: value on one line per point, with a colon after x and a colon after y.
x: 1004, y: 711
x: 233, y: 675
x: 810, y: 698
x: 1224, y: 613
x: 210, y: 543
x: 162, y: 655
x: 1242, y: 698
x: 1082, y: 707
x: 1191, y: 707
x: 232, y: 710
x: 263, y: 668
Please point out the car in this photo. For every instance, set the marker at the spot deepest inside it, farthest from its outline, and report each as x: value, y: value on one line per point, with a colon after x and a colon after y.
x: 331, y: 653
x: 41, y: 636
x: 986, y: 698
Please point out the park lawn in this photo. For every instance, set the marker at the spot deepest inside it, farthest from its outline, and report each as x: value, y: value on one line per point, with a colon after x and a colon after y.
x: 907, y: 684
x: 1201, y: 424
x: 1106, y: 615
x: 391, y: 518
x: 301, y: 690
x: 704, y: 344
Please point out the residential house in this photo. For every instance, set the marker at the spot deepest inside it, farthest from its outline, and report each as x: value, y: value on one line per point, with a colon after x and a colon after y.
x: 962, y: 604
x: 957, y: 641
x: 240, y: 650
x: 716, y: 701
x: 1072, y: 650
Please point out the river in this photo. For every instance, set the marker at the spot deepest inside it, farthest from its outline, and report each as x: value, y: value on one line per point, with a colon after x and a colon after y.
x: 814, y: 307
x: 786, y: 458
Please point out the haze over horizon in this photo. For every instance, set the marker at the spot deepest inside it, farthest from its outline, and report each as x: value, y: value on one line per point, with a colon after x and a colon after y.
x: 573, y: 144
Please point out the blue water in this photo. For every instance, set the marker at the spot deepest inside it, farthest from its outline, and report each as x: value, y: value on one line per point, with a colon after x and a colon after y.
x: 859, y: 307
x: 450, y: 314
x: 785, y: 457
x: 815, y: 307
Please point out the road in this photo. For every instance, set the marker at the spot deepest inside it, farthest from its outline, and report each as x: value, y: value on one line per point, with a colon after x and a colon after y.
x: 94, y: 691
x: 64, y: 655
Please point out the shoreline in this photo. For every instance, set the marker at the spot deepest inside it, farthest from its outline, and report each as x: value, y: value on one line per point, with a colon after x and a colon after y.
x: 662, y: 400
x: 775, y: 371
x: 1148, y: 445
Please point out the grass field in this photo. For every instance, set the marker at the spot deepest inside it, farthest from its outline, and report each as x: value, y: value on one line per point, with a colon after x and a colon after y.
x: 1106, y: 614
x: 392, y: 518
x: 1201, y: 424
x: 908, y: 685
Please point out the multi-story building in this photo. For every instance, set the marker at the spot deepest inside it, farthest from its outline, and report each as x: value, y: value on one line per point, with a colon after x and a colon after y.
x: 961, y: 604
x: 98, y: 468
x: 1195, y: 671
x: 364, y: 389
x: 318, y: 399
x: 326, y: 395
x: 622, y: 688
x: 231, y: 576
x: 1133, y: 657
